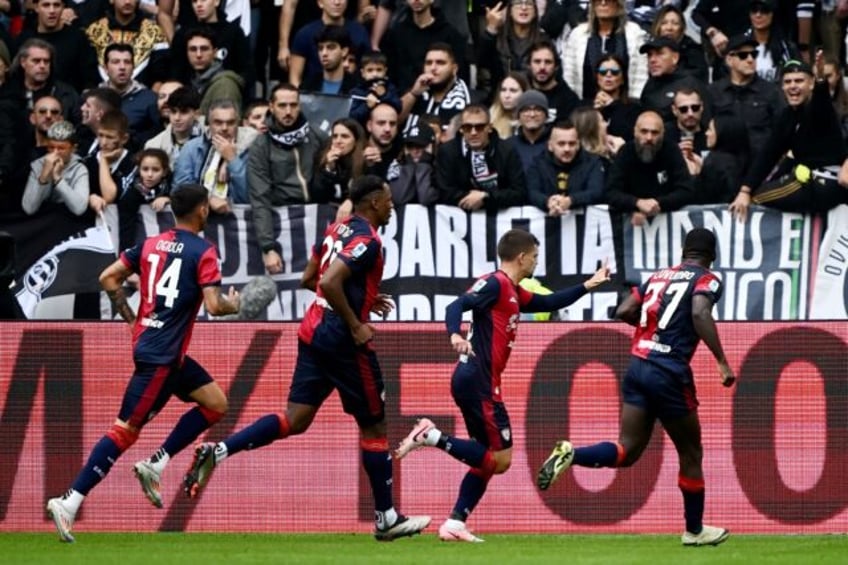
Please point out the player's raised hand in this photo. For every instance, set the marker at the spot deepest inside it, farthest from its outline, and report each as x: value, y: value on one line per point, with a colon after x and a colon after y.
x: 601, y: 276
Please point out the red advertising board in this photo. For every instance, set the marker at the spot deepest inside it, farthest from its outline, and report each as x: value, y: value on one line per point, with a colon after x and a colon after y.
x: 775, y: 446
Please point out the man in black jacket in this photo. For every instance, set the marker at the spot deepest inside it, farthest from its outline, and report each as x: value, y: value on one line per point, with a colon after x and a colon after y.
x: 756, y: 101
x: 477, y: 169
x: 806, y: 147
x: 648, y: 176
x: 666, y: 78
x: 565, y: 177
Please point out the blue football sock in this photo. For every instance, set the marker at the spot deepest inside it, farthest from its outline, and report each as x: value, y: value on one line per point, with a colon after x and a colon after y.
x: 604, y: 454
x: 469, y: 451
x: 471, y: 490
x: 260, y: 433
x: 191, y: 424
x: 100, y: 461
x: 693, y: 503
x: 378, y: 466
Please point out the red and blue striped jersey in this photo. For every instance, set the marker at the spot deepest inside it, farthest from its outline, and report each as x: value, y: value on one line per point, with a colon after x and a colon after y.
x: 495, y: 302
x: 356, y: 242
x: 665, y: 333
x: 173, y: 269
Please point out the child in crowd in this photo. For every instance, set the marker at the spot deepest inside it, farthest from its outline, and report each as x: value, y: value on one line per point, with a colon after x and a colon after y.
x: 374, y: 88
x: 111, y: 171
x: 152, y: 184
x: 255, y: 115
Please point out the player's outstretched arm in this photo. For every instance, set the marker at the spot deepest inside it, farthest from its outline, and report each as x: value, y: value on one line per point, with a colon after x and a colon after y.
x: 705, y: 327
x: 112, y: 279
x: 217, y: 304
x: 568, y: 296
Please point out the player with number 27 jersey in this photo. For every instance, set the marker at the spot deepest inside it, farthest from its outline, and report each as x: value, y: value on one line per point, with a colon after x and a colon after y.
x: 173, y: 268
x: 666, y: 334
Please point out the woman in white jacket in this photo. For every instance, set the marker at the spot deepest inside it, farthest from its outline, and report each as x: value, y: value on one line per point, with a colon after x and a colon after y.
x: 608, y: 31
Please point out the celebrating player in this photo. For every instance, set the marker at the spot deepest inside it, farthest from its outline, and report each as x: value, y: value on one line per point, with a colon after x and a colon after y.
x: 672, y: 312
x: 178, y: 269
x: 495, y: 301
x: 334, y: 352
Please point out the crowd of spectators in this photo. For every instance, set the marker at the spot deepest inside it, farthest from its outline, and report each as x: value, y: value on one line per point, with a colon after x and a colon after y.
x: 645, y: 105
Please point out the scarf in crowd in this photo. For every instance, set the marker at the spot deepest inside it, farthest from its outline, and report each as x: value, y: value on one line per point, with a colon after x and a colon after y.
x: 293, y: 136
x: 211, y: 173
x: 482, y: 177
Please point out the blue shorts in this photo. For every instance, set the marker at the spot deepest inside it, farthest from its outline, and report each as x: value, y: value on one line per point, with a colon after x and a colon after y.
x: 355, y: 373
x: 659, y: 391
x: 151, y: 386
x: 486, y: 419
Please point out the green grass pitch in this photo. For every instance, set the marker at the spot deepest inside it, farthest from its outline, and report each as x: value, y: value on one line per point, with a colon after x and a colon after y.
x: 208, y: 549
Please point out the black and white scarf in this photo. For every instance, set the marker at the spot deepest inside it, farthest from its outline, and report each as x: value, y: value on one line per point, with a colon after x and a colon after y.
x: 293, y: 136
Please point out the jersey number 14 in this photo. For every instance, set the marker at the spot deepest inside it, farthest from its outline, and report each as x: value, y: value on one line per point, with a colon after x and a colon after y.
x: 167, y: 283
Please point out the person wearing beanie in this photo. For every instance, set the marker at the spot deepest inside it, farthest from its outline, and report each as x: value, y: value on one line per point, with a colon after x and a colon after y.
x: 531, y: 136
x: 60, y: 177
x: 672, y: 313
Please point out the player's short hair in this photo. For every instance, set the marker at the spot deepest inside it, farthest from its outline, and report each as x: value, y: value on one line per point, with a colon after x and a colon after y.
x: 115, y: 120
x: 186, y: 197
x: 701, y: 242
x: 515, y: 242
x: 364, y: 186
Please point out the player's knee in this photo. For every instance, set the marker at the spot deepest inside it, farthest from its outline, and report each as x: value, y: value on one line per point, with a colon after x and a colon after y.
x: 503, y: 461
x: 298, y: 425
x: 122, y: 437
x: 214, y: 412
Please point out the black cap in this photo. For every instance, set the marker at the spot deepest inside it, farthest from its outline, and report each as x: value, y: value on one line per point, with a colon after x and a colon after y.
x: 419, y: 135
x: 659, y: 43
x: 796, y: 66
x: 700, y: 240
x: 767, y: 5
x: 738, y: 41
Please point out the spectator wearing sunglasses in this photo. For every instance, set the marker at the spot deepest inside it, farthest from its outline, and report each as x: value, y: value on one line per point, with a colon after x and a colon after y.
x: 688, y: 127
x: 773, y: 48
x: 666, y: 77
x: 742, y: 92
x: 477, y: 170
x: 612, y: 100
